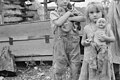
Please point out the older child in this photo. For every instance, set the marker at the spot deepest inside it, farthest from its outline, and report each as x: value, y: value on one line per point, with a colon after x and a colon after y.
x: 66, y: 40
x: 93, y: 13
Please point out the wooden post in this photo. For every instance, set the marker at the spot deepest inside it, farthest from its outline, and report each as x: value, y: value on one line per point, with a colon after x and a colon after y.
x: 47, y: 37
x: 45, y: 9
x: 10, y: 40
x: 1, y: 12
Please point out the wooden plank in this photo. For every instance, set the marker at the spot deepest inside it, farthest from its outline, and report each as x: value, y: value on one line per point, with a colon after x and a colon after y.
x: 49, y: 1
x: 32, y: 47
x: 24, y: 38
x: 1, y: 12
x: 38, y: 58
x: 5, y: 39
x: 28, y: 29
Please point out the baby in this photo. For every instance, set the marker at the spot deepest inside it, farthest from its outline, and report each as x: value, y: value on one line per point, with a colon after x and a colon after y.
x: 101, y: 30
x: 100, y: 46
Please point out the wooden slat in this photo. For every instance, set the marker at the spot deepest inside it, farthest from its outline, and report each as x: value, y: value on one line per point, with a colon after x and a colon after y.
x: 26, y: 29
x: 38, y: 58
x: 32, y: 47
x: 49, y: 1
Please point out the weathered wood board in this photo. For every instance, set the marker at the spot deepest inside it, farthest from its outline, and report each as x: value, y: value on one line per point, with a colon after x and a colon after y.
x: 28, y: 40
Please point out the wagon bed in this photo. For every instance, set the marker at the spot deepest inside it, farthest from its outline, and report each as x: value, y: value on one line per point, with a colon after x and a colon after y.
x: 28, y: 40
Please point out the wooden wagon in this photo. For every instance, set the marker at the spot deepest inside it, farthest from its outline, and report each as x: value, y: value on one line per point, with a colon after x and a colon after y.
x: 28, y: 40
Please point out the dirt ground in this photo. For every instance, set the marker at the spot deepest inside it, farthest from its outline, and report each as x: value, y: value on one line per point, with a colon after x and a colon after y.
x: 38, y: 73
x: 34, y: 73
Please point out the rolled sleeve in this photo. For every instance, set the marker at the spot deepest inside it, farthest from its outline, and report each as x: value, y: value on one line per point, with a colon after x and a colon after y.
x: 78, y: 12
x: 54, y: 15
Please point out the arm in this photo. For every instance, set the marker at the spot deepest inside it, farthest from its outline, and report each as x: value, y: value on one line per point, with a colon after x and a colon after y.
x: 110, y: 37
x: 62, y: 19
x: 83, y: 39
x: 80, y: 16
x: 84, y: 42
x: 77, y: 18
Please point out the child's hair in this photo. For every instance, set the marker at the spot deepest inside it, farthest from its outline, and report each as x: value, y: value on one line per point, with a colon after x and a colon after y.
x: 96, y: 5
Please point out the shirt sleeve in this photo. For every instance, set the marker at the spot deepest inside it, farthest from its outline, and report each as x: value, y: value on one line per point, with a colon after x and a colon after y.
x: 54, y: 15
x: 77, y: 11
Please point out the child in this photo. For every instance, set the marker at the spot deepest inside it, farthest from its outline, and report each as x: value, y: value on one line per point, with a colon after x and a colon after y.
x: 66, y: 49
x: 95, y: 11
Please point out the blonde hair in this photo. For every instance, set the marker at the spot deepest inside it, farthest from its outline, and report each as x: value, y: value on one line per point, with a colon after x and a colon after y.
x: 96, y: 5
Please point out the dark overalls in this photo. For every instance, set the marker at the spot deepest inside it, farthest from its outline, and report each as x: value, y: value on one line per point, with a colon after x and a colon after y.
x: 66, y: 52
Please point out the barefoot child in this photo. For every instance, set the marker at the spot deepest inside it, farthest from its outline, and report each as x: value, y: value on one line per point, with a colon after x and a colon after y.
x: 89, y: 71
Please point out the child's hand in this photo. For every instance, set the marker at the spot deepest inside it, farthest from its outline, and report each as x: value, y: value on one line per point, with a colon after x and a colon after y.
x: 103, y: 37
x: 87, y: 42
x: 70, y: 13
x: 93, y: 44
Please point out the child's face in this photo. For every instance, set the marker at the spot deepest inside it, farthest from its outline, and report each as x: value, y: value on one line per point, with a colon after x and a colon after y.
x: 101, y: 23
x: 94, y: 14
x: 62, y: 3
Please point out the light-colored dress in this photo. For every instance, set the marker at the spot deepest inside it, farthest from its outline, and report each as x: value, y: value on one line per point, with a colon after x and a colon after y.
x: 88, y: 73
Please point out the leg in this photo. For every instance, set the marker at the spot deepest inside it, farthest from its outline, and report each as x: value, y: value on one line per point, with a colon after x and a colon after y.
x: 59, y: 61
x: 75, y: 66
x: 59, y: 69
x: 74, y: 57
x: 104, y: 68
x: 93, y: 74
x: 84, y: 71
